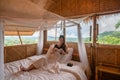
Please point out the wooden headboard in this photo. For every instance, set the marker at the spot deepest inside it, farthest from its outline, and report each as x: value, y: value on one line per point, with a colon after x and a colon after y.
x: 17, y: 52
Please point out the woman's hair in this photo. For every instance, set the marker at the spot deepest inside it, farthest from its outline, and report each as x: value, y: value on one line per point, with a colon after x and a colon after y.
x: 61, y: 36
x: 63, y: 45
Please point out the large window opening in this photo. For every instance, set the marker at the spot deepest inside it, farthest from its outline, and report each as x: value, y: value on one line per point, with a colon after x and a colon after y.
x: 109, y: 29
x: 71, y: 31
x: 87, y: 31
x: 54, y: 33
x: 13, y: 39
x: 71, y: 34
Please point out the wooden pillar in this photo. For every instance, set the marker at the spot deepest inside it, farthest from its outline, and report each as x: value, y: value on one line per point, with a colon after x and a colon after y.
x: 45, y: 37
x: 94, y: 49
x: 1, y: 50
x: 56, y: 32
x: 64, y: 30
x: 94, y: 29
x: 19, y: 37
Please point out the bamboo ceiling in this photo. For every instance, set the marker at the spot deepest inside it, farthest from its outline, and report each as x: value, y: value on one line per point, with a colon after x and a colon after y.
x: 35, y: 14
x: 78, y: 8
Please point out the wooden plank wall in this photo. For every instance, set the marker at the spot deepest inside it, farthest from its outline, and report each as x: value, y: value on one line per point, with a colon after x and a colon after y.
x: 105, y: 54
x: 108, y: 55
x: 13, y: 53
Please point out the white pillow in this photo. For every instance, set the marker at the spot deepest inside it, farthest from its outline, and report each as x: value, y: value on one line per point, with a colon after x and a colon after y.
x: 67, y: 57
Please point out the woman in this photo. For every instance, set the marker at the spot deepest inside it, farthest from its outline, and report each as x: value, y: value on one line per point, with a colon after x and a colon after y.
x: 61, y: 45
x: 52, y: 56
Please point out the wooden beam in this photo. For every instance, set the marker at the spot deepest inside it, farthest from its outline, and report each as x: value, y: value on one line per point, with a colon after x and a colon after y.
x: 64, y: 29
x: 56, y: 32
x: 19, y: 37
x: 94, y: 29
x: 45, y: 37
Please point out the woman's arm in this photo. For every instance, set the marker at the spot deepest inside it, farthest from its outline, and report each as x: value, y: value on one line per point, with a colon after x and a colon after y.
x: 66, y: 50
x: 66, y: 47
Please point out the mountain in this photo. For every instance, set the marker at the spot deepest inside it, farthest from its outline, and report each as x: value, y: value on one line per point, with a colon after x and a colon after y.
x: 110, y: 33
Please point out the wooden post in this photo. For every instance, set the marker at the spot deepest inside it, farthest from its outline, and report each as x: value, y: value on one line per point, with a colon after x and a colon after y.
x: 94, y: 30
x: 90, y: 33
x: 56, y: 32
x: 64, y: 30
x: 94, y: 49
x: 19, y: 37
x: 45, y: 38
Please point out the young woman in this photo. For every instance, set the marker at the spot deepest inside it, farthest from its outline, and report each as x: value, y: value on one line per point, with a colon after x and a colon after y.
x: 61, y: 45
x: 52, y: 55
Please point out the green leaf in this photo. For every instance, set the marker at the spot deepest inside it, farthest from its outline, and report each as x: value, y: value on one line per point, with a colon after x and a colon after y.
x: 117, y: 25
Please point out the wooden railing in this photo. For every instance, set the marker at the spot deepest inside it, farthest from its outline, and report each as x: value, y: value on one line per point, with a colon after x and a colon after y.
x: 17, y: 52
x: 108, y: 55
x: 104, y: 54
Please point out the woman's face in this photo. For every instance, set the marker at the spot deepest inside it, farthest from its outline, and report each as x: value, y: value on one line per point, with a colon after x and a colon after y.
x: 61, y: 40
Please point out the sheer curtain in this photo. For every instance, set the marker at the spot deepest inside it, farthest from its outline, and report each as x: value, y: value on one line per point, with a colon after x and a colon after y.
x: 1, y: 51
x: 83, y: 54
x: 40, y: 42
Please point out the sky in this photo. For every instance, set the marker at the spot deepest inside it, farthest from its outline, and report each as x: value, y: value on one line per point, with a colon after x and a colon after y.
x: 106, y: 23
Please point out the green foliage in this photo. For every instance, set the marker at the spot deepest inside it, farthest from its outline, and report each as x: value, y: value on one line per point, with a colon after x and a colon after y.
x: 110, y: 33
x: 109, y: 40
x: 110, y: 37
x: 117, y: 25
x: 9, y: 41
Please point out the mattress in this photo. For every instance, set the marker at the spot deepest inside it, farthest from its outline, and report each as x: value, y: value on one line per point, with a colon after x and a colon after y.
x: 12, y: 71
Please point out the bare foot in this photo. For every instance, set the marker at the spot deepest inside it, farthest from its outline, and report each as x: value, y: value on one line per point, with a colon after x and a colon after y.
x: 23, y: 68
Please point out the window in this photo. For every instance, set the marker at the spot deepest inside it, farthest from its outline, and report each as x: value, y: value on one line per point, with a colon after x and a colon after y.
x: 14, y: 40
x: 11, y: 40
x: 71, y: 34
x: 109, y: 29
x: 87, y: 31
x: 54, y: 33
x: 29, y: 39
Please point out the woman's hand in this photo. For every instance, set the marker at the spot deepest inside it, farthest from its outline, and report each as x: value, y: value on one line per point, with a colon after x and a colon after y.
x: 63, y: 52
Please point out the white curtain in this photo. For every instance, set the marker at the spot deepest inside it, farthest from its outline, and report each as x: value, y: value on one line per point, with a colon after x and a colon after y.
x: 83, y: 54
x: 40, y: 42
x: 1, y: 51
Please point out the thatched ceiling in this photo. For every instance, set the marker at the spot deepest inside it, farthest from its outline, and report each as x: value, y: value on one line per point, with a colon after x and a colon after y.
x: 78, y: 8
x: 29, y: 13
x: 35, y: 13
x: 36, y: 9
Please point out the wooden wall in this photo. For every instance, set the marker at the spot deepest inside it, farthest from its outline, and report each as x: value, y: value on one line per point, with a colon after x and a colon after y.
x: 104, y: 54
x: 13, y: 53
x: 108, y: 55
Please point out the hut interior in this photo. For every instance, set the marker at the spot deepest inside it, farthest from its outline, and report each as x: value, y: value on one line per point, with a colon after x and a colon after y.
x: 27, y: 24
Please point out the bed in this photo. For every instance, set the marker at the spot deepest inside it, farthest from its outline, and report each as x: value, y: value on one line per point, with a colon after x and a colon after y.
x: 12, y: 71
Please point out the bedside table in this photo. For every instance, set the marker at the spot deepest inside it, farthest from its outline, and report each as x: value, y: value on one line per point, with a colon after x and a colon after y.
x: 106, y: 69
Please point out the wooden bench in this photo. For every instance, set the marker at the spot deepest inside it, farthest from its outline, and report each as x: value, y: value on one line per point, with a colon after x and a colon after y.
x: 106, y: 69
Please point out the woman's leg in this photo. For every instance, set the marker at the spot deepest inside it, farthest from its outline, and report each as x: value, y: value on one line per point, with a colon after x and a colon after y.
x: 42, y: 62
x: 27, y: 69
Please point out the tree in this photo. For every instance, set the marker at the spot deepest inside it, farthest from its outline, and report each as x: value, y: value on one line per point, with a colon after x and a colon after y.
x: 117, y: 25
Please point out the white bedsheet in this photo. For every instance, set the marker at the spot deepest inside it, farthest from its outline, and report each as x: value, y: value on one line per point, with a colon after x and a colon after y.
x: 12, y: 71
